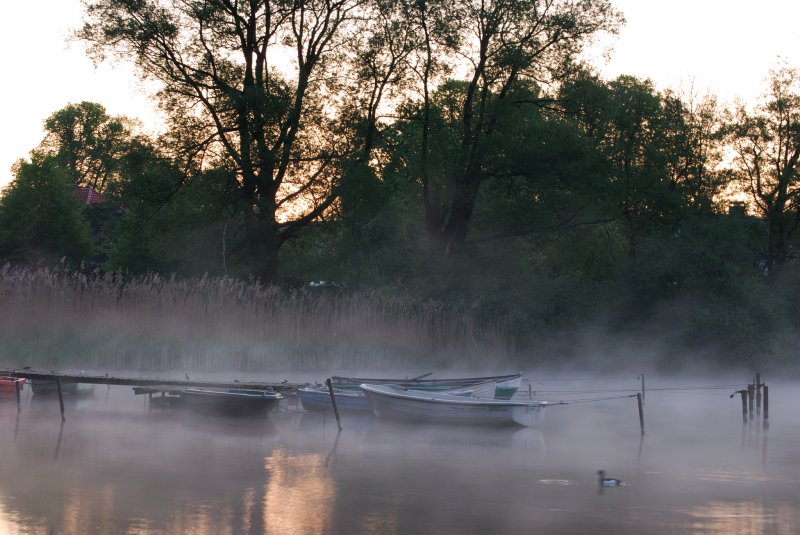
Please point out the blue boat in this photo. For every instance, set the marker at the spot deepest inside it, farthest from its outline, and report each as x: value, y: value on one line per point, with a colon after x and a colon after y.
x: 318, y: 398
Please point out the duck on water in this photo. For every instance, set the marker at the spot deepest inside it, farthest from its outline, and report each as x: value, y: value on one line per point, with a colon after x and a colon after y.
x: 604, y: 481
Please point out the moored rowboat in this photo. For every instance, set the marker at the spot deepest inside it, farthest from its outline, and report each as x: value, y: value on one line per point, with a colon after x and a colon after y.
x: 392, y: 401
x: 50, y: 387
x: 318, y: 398
x: 8, y: 386
x: 506, y: 385
x: 232, y: 402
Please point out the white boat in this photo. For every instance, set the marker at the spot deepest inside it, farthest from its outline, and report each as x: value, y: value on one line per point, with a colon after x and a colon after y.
x: 392, y: 401
x: 318, y: 398
x: 505, y: 385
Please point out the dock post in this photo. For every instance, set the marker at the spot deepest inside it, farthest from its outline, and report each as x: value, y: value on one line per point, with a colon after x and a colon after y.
x: 744, y: 405
x: 60, y: 398
x: 642, y: 378
x: 18, y: 388
x: 766, y: 407
x: 333, y: 401
x: 758, y: 394
x: 641, y: 412
x: 751, y: 398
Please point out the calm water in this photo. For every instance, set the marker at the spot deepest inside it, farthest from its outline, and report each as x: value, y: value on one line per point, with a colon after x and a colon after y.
x: 115, y: 467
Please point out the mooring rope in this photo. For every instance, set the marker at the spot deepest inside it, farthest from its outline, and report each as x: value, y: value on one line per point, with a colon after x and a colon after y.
x: 589, y: 400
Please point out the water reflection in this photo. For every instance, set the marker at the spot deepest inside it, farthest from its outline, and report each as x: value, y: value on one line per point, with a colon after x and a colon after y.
x: 115, y: 467
x: 299, y: 493
x: 743, y: 518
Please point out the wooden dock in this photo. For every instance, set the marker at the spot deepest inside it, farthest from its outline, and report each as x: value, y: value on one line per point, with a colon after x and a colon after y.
x: 142, y: 382
x: 168, y: 388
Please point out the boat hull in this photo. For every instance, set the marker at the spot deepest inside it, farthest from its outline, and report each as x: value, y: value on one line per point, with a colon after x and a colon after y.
x: 234, y: 403
x: 49, y: 387
x: 393, y: 402
x: 505, y: 388
x: 8, y: 386
x: 319, y: 399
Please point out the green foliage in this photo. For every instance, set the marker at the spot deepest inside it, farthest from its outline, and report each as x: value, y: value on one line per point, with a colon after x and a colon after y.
x: 766, y: 142
x: 40, y: 216
x: 87, y: 143
x: 452, y: 154
x: 166, y: 228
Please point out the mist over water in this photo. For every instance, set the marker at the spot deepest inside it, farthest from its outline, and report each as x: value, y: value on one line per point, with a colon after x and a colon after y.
x: 117, y: 467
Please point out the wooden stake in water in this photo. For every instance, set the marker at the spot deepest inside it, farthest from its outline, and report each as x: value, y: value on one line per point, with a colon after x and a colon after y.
x: 642, y: 378
x: 17, y: 388
x: 758, y: 394
x: 641, y: 412
x: 751, y: 397
x: 333, y: 401
x: 766, y: 406
x: 60, y: 398
x: 744, y: 405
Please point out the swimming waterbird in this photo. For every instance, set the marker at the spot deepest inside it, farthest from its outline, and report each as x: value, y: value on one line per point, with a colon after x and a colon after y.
x: 604, y: 481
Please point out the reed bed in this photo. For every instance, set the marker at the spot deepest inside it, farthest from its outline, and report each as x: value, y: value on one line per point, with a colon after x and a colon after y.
x: 56, y: 318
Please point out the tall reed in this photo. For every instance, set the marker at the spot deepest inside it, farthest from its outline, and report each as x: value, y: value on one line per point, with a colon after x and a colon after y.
x: 57, y: 318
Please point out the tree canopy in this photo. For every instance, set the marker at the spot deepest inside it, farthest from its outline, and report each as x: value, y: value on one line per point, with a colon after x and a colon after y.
x: 457, y: 151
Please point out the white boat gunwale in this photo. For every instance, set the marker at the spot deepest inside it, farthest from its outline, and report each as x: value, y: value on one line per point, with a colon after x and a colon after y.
x: 441, y: 397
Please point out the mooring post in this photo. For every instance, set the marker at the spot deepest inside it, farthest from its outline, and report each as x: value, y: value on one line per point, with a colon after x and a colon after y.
x: 642, y: 378
x: 60, y: 398
x: 744, y: 405
x: 641, y: 412
x: 766, y: 406
x: 333, y: 401
x: 758, y: 394
x: 17, y: 387
x: 530, y: 393
x: 751, y: 397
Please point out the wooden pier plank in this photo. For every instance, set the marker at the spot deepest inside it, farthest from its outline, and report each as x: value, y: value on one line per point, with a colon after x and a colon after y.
x: 146, y: 382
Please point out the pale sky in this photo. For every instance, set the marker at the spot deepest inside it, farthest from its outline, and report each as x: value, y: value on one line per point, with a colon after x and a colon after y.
x: 723, y: 46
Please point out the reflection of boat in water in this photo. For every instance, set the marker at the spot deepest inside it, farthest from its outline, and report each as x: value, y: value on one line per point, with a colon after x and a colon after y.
x: 451, y: 444
x: 505, y: 385
x: 9, y: 385
x: 392, y: 401
x: 231, y: 402
x: 318, y: 398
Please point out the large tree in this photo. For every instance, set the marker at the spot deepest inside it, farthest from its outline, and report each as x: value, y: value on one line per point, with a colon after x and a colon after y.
x: 498, y: 46
x: 246, y: 86
x: 87, y: 143
x: 656, y: 152
x: 766, y: 142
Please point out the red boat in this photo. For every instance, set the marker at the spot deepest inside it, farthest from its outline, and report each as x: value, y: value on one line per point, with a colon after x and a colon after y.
x: 8, y: 386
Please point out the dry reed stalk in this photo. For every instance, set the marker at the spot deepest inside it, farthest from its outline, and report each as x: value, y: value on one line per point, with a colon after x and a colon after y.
x: 59, y: 318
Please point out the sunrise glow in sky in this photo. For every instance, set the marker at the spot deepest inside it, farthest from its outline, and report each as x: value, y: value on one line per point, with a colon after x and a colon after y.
x: 718, y: 46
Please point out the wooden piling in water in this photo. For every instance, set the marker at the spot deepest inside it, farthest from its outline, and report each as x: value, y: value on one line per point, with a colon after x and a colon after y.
x: 758, y: 394
x: 333, y: 402
x: 641, y: 412
x: 766, y: 406
x: 60, y: 398
x: 744, y: 405
x: 642, y: 378
x: 751, y: 398
x: 17, y: 387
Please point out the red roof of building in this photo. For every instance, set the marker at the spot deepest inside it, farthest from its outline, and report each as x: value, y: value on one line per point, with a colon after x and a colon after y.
x: 88, y: 195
